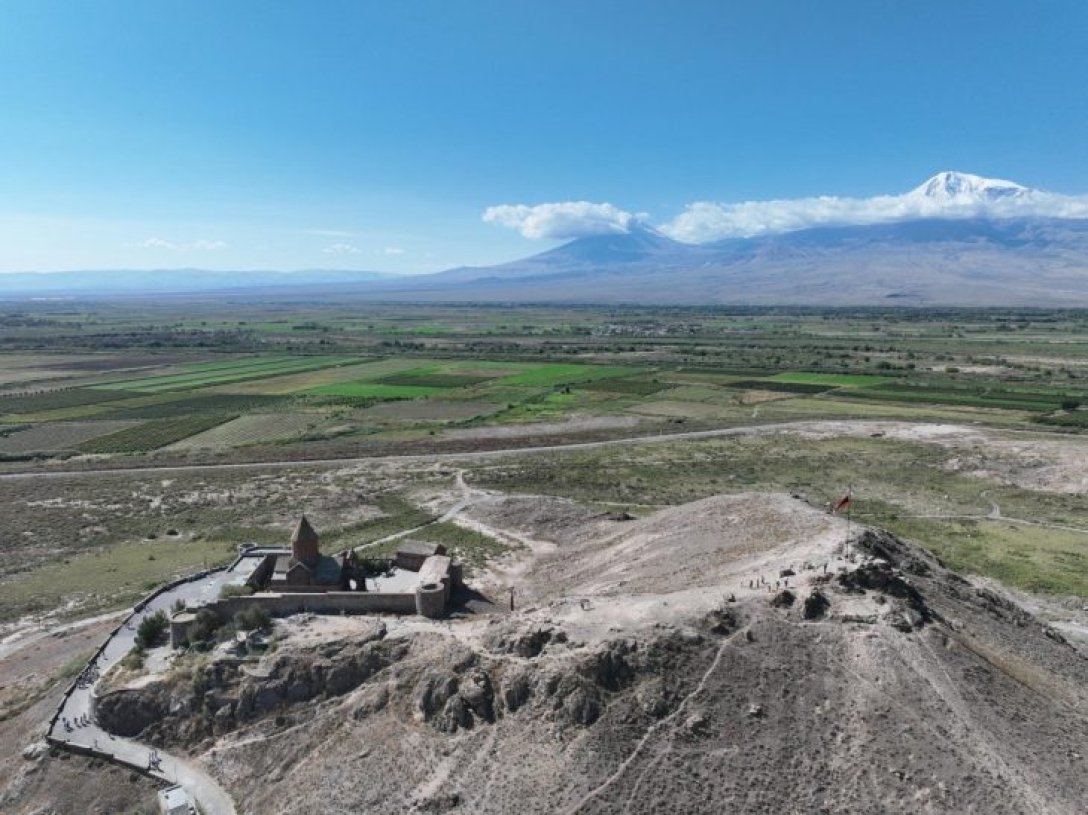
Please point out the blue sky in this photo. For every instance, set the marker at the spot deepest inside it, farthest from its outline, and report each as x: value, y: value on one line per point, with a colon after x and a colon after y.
x: 286, y: 135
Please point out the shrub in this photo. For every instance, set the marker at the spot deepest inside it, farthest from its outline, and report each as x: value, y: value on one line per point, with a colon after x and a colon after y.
x: 235, y: 590
x: 203, y: 627
x: 226, y: 632
x: 252, y: 619
x: 151, y: 629
x: 134, y: 659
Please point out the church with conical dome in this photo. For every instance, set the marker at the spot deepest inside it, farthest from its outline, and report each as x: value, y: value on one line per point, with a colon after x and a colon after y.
x: 305, y: 566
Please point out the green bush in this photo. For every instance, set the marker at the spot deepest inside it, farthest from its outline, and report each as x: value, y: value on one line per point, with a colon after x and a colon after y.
x: 134, y: 659
x: 252, y: 619
x: 151, y: 630
x: 204, y: 627
x: 225, y: 632
x: 235, y: 590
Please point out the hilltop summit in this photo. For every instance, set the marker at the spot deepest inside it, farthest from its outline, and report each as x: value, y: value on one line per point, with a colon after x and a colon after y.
x: 956, y: 189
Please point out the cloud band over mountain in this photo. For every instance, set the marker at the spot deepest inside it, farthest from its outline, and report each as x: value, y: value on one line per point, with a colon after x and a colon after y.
x: 946, y: 195
x: 561, y: 221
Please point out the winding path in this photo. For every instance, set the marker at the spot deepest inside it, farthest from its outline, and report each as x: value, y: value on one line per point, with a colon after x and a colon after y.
x: 201, y: 787
x: 468, y: 495
x: 79, y: 705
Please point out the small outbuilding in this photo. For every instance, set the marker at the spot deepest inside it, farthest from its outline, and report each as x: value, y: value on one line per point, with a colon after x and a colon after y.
x: 175, y: 801
x: 411, y: 554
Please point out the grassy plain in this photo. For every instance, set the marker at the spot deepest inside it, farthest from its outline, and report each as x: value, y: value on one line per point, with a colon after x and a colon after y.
x: 110, y: 577
x: 182, y: 383
x: 1041, y: 543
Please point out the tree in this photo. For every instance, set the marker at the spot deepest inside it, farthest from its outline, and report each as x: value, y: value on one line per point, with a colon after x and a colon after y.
x: 151, y: 629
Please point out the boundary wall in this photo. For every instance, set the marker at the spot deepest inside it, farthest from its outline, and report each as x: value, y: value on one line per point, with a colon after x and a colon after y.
x: 78, y: 749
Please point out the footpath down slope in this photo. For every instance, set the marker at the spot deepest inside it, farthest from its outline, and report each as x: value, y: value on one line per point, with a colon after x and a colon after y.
x: 658, y: 665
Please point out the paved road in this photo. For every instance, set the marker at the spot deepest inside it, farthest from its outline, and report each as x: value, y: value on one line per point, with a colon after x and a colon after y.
x: 201, y: 787
x: 470, y: 454
x: 769, y: 427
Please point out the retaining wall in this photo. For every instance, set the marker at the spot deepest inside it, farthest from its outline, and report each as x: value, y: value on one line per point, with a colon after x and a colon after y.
x: 136, y: 609
x: 349, y: 602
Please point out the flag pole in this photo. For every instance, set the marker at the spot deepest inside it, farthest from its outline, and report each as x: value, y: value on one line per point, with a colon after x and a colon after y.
x: 849, y: 512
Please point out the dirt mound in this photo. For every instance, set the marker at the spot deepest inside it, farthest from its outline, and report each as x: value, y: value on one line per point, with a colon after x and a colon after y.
x: 700, y: 544
x: 668, y: 667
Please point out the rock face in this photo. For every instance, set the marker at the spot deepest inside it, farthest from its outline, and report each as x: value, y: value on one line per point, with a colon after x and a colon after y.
x: 218, y: 697
x: 888, y: 685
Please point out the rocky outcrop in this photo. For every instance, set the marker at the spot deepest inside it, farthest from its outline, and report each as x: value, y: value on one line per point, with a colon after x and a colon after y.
x: 193, y: 703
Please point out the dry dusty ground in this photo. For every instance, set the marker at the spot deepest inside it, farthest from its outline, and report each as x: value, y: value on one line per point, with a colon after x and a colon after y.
x: 1034, y: 461
x: 655, y: 665
x: 651, y: 665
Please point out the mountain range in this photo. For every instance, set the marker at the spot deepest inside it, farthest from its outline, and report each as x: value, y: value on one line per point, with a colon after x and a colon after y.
x: 965, y: 242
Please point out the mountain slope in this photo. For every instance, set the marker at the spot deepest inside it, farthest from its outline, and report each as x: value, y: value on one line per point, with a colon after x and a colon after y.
x: 655, y: 666
x: 956, y: 240
x: 960, y: 261
x: 140, y: 281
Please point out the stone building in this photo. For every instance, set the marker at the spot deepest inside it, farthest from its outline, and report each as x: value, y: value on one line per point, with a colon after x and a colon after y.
x: 412, y: 554
x: 420, y: 578
x: 305, y: 566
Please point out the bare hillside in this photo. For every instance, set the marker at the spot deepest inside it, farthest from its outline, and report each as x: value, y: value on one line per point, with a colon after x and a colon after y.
x: 722, y: 656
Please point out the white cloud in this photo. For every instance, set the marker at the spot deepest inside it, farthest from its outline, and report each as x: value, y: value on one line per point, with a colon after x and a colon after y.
x: 945, y: 195
x: 708, y: 220
x: 341, y: 249
x: 561, y: 221
x: 194, y: 246
x: 392, y: 250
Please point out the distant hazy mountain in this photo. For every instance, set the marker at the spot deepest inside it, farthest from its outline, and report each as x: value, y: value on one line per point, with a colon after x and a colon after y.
x: 980, y: 262
x: 940, y: 260
x: 963, y: 240
x: 181, y: 281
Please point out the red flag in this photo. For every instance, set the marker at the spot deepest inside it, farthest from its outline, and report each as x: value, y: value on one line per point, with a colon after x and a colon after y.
x: 843, y: 503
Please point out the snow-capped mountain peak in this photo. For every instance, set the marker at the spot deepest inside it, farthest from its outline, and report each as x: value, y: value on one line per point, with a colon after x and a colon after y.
x: 964, y: 188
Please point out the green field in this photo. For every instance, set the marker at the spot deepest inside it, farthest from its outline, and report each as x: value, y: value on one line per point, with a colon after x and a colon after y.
x: 423, y: 379
x: 704, y: 367
x: 253, y: 428
x: 203, y: 375
x: 153, y: 434
x: 548, y: 375
x: 57, y: 436
x: 637, y: 386
x: 375, y: 390
x: 55, y: 400
x: 831, y: 380
x: 179, y: 383
x: 779, y: 386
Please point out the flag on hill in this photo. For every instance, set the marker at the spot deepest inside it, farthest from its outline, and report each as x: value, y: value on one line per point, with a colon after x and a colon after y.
x: 843, y: 503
